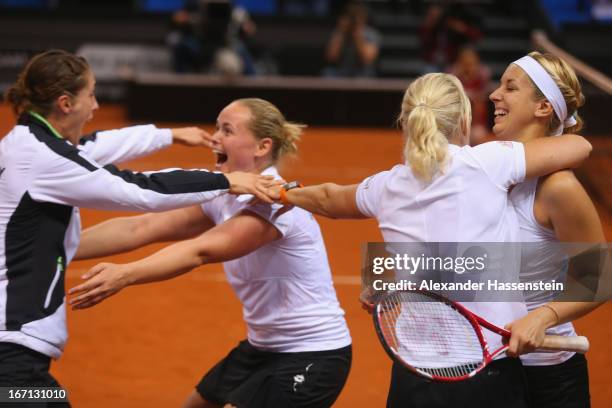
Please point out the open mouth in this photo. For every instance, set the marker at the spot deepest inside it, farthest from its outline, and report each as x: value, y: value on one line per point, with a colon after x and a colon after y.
x: 221, y: 158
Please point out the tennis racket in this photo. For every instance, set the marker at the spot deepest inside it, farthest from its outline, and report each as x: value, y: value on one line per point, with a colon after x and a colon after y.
x: 442, y: 340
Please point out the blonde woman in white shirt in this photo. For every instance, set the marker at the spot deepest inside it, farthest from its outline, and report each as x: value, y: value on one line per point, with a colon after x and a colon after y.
x: 298, y: 348
x: 438, y: 195
x: 539, y: 96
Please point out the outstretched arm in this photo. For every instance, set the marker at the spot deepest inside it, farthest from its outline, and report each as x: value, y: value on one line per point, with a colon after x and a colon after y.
x: 123, y: 234
x: 234, y: 238
x: 329, y: 199
x: 120, y: 145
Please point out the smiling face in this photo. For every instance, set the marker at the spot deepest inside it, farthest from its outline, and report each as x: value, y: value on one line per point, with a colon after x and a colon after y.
x: 236, y: 147
x: 515, y: 104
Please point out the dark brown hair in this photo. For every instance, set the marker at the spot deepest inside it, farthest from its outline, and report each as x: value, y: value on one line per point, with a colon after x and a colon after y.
x: 46, y: 77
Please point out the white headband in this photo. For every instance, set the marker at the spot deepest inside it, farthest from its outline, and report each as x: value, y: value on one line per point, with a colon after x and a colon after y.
x: 549, y: 88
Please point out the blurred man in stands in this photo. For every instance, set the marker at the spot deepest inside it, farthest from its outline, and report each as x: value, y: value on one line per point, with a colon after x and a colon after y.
x: 445, y: 30
x: 352, y: 50
x: 210, y: 36
x: 475, y: 78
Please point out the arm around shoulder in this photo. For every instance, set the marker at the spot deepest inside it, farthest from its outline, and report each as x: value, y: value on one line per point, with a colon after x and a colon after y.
x: 549, y: 154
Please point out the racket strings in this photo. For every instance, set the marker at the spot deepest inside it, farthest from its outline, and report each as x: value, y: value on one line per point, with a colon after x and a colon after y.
x: 429, y: 335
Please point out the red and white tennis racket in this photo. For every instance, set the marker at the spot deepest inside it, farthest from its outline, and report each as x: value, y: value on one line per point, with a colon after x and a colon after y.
x: 442, y: 340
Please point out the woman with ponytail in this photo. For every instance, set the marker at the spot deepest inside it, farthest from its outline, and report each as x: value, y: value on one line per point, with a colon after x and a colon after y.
x: 436, y: 195
x: 298, y: 349
x: 538, y: 97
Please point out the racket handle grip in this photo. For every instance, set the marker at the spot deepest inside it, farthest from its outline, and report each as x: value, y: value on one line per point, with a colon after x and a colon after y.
x: 578, y: 344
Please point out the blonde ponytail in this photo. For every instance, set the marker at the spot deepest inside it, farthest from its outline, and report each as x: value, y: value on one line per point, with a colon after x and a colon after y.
x: 434, y: 110
x: 426, y: 148
x: 291, y: 135
x: 268, y: 121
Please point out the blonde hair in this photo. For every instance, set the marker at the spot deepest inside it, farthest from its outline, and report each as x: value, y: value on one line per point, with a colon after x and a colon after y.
x: 569, y: 85
x: 435, y: 108
x: 268, y: 121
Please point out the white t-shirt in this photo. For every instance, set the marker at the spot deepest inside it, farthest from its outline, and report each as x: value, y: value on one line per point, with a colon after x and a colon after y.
x: 468, y: 202
x: 285, y: 287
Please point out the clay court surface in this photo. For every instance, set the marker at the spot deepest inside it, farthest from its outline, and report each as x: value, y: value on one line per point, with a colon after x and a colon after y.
x: 149, y: 345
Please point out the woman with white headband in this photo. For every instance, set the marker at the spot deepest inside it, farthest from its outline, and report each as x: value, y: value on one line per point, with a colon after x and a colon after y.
x: 539, y: 96
x: 436, y: 195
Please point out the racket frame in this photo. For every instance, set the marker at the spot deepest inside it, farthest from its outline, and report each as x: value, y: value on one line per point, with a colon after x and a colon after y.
x: 475, y: 321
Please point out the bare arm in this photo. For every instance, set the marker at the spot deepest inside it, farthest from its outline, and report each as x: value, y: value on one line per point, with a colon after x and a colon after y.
x: 567, y: 208
x: 124, y: 234
x: 574, y: 219
x: 329, y: 199
x: 234, y: 238
x: 547, y: 155
x: 367, y: 50
x: 334, y: 46
x: 337, y: 40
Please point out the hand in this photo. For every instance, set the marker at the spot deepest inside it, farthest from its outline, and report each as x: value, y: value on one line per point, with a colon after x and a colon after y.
x: 103, y: 280
x: 367, y: 299
x: 249, y: 183
x: 274, y: 192
x: 192, y: 136
x: 528, y: 332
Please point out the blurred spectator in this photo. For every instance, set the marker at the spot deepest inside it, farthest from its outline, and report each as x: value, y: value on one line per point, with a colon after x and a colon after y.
x: 475, y: 78
x: 445, y: 30
x: 353, y: 48
x: 210, y: 36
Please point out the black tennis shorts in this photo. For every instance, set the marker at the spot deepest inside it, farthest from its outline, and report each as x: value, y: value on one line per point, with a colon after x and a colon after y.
x: 564, y: 385
x: 250, y: 378
x: 24, y: 367
x: 501, y: 384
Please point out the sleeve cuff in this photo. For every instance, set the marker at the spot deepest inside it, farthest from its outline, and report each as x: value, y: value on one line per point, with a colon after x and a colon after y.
x: 165, y: 137
x: 521, y: 163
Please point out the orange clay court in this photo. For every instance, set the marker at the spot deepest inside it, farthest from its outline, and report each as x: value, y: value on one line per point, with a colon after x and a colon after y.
x: 149, y: 345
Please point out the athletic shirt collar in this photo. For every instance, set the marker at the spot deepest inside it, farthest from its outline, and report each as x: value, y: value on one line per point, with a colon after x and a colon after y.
x: 32, y: 117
